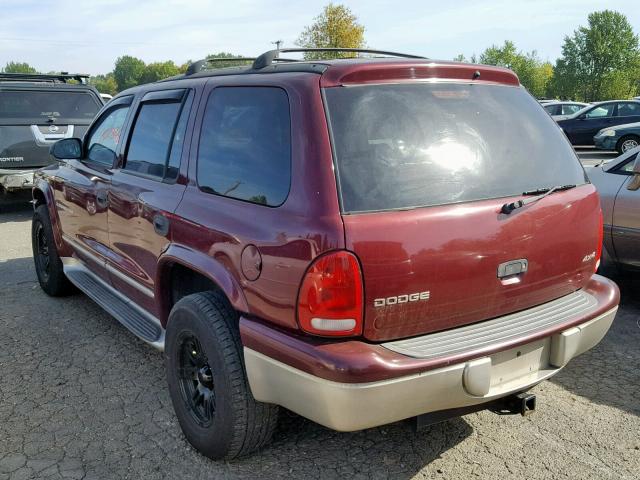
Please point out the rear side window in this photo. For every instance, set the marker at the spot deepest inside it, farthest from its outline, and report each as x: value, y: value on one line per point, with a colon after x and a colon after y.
x: 412, y: 145
x: 627, y: 109
x: 156, y: 142
x: 42, y: 106
x: 245, y: 145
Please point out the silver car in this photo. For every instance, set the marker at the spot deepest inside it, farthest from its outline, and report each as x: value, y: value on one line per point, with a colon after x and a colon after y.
x: 618, y: 183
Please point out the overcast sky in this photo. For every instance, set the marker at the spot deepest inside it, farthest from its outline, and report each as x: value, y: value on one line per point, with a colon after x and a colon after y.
x: 88, y: 35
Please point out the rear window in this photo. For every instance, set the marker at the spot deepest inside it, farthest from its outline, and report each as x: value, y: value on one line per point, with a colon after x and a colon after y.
x: 40, y: 106
x: 405, y: 146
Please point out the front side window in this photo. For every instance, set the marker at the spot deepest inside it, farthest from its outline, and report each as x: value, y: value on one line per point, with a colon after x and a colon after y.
x: 155, y: 146
x: 245, y: 145
x: 601, y: 111
x: 104, y: 138
x: 415, y: 145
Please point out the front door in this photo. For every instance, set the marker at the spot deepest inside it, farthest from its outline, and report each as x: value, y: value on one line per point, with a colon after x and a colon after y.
x: 595, y: 119
x: 626, y: 222
x: 145, y: 191
x: 81, y: 187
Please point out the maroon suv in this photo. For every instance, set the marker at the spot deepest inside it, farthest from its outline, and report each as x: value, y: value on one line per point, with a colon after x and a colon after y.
x: 360, y: 241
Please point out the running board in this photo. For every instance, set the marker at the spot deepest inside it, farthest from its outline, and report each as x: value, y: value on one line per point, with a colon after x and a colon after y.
x: 140, y: 323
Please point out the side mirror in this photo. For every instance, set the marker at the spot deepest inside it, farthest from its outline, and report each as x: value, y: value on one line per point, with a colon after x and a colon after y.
x: 67, y: 149
x: 582, y: 117
x: 634, y: 184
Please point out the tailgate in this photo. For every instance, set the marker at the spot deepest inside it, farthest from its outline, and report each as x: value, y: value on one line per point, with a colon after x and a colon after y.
x: 453, y: 253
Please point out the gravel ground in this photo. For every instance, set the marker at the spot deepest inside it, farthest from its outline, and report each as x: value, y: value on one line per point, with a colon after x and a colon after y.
x: 80, y: 397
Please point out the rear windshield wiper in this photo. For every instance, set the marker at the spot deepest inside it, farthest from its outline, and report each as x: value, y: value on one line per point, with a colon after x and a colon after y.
x: 539, y: 193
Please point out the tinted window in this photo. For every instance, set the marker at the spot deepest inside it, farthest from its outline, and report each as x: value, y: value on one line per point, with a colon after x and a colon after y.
x: 628, y: 109
x: 403, y: 146
x: 245, y: 145
x: 104, y: 138
x: 552, y: 109
x: 151, y: 138
x: 601, y: 111
x: 39, y: 106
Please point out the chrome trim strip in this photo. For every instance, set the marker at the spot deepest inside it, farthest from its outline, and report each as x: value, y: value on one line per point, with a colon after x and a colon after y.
x: 108, y: 267
x: 507, y: 328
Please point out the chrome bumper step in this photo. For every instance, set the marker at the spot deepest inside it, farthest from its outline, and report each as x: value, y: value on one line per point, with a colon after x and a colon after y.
x: 508, y: 328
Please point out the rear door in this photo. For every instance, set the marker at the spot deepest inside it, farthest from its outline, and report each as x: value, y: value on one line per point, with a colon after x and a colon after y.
x: 81, y: 186
x: 627, y: 112
x: 146, y: 190
x: 31, y: 119
x: 423, y: 171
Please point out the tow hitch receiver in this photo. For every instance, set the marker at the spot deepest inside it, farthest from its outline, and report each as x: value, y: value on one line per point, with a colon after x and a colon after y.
x: 522, y: 403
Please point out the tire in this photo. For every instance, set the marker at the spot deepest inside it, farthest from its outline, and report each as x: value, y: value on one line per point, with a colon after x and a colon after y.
x: 207, y: 380
x: 627, y: 143
x: 45, y: 256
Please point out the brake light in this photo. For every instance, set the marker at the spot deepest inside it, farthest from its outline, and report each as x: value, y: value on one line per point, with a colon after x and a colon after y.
x: 330, y: 298
x: 600, y: 241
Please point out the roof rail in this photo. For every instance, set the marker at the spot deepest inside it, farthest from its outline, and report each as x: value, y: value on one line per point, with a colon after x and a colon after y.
x: 62, y: 77
x: 269, y: 57
x: 198, y: 66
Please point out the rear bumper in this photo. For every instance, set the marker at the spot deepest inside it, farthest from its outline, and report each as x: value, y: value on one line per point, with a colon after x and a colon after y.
x: 16, y: 179
x: 355, y: 406
x: 341, y: 390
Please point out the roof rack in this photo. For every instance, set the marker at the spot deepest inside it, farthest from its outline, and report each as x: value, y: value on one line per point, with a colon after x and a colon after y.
x: 200, y: 65
x: 269, y: 57
x: 62, y: 77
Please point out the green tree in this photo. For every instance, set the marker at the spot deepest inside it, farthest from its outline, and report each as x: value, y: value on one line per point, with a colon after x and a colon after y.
x: 105, y: 83
x: 599, y: 61
x: 18, y: 67
x: 533, y: 73
x: 159, y: 70
x: 128, y: 72
x: 336, y: 27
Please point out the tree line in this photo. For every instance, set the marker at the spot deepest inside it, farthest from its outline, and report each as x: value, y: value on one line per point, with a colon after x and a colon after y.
x: 599, y: 61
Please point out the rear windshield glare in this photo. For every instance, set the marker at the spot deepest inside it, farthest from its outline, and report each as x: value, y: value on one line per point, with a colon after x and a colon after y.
x: 46, y: 106
x: 413, y: 145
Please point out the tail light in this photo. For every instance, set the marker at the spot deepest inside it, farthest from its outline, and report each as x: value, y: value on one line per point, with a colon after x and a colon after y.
x: 330, y: 298
x: 600, y: 241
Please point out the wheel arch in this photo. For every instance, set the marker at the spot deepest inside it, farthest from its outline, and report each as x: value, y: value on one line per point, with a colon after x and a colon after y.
x: 42, y: 194
x: 205, y: 268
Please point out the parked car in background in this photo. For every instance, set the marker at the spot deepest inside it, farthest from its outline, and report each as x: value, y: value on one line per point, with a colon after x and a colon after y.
x: 621, y: 137
x: 36, y: 111
x: 583, y: 125
x: 356, y: 255
x: 558, y: 109
x: 618, y: 183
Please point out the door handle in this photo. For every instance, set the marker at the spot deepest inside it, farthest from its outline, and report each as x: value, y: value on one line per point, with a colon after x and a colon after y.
x: 161, y: 225
x: 102, y: 199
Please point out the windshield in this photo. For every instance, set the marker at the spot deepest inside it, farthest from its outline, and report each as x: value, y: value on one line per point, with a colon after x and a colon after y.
x: 412, y: 145
x: 45, y: 106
